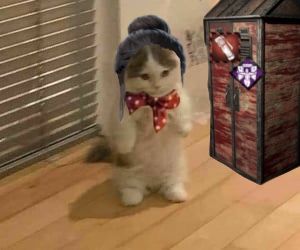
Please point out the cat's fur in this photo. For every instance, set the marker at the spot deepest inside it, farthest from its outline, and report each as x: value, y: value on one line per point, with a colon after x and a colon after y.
x: 143, y: 159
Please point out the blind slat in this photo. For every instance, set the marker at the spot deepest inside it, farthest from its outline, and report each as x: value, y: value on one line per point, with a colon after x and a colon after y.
x: 21, y: 22
x: 18, y: 151
x: 46, y: 54
x: 33, y: 133
x: 58, y: 103
x: 29, y: 86
x: 45, y: 29
x: 45, y: 4
x: 33, y: 6
x: 45, y: 42
x: 18, y: 10
x: 36, y: 118
x: 10, y: 2
x: 67, y: 64
x: 34, y: 96
x: 47, y: 74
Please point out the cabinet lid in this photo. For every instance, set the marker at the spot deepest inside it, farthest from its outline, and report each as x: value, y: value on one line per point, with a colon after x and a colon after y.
x: 255, y: 8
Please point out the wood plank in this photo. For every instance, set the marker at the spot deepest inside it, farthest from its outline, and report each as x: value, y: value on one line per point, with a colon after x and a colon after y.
x: 31, y: 174
x: 19, y: 178
x: 87, y: 215
x: 40, y: 188
x: 77, y: 153
x: 265, y: 7
x: 98, y: 212
x: 129, y: 223
x: 291, y: 243
x: 233, y: 8
x: 233, y: 248
x: 197, y: 133
x: 205, y: 207
x: 282, y: 98
x: 278, y: 226
x: 282, y: 41
x: 222, y: 113
x: 248, y: 8
x: 243, y: 215
x: 26, y: 223
x: 219, y: 8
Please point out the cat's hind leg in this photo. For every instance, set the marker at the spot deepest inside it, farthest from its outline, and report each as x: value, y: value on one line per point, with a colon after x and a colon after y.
x: 130, y: 184
x: 175, y: 192
x: 173, y: 187
x: 131, y: 196
x: 131, y: 188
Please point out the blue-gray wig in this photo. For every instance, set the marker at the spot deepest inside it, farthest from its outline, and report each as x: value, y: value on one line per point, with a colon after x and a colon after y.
x: 145, y: 30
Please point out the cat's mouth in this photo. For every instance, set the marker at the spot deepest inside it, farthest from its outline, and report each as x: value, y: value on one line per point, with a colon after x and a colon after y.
x: 159, y: 92
x: 155, y: 91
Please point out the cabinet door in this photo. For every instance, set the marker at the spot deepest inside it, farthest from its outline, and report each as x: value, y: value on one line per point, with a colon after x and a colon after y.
x: 245, y: 118
x: 234, y: 107
x: 222, y: 115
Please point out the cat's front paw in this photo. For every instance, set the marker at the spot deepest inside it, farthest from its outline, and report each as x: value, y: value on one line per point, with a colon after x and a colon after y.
x: 175, y: 193
x: 131, y: 196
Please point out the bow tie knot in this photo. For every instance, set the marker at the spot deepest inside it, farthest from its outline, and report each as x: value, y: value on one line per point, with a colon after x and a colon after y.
x: 159, y: 105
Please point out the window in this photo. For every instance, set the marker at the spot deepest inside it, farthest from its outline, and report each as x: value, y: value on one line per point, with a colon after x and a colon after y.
x: 48, y: 91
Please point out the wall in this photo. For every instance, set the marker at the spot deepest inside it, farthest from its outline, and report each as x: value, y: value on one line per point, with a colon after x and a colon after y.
x: 185, y: 21
x: 108, y: 39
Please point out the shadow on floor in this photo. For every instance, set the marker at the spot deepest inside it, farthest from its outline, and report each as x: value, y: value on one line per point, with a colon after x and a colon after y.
x: 103, y: 201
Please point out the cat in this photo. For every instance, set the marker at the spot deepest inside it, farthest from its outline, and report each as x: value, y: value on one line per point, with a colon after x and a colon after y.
x: 145, y: 160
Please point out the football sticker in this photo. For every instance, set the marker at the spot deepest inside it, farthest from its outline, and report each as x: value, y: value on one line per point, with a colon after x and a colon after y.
x: 224, y: 47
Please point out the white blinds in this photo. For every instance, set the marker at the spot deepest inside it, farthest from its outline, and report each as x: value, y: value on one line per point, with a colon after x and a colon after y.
x: 47, y: 73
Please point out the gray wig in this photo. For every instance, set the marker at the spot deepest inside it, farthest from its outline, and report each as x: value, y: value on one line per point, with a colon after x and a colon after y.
x: 145, y: 30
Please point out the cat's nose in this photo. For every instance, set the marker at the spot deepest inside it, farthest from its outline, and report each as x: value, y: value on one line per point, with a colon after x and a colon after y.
x: 156, y: 85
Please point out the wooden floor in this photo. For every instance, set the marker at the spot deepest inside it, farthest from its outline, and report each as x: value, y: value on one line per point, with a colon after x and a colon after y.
x: 63, y: 203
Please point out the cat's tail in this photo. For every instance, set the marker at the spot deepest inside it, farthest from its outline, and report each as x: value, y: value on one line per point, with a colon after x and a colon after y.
x: 100, y: 151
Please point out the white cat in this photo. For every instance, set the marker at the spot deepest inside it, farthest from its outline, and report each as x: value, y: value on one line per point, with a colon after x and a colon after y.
x: 145, y: 160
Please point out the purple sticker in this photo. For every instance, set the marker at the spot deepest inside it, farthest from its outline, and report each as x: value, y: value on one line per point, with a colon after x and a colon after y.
x: 247, y: 73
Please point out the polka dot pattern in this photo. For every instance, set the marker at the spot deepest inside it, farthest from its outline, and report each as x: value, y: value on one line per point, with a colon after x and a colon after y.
x: 159, y: 105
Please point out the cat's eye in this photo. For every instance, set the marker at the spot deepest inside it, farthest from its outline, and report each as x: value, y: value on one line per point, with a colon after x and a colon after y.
x: 164, y: 73
x: 145, y: 76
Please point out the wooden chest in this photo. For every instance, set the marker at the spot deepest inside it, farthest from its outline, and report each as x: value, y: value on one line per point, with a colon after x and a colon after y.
x: 255, y: 131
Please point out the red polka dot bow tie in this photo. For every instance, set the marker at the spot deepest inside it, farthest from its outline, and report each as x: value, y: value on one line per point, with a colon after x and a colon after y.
x: 159, y: 105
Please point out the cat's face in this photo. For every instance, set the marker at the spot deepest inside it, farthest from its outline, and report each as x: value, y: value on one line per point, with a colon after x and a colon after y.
x: 154, y: 70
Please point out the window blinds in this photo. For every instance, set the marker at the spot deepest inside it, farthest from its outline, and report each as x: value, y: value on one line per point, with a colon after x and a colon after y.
x: 47, y: 74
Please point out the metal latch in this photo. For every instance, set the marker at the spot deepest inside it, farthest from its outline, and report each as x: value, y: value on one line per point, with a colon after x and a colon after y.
x: 236, y: 98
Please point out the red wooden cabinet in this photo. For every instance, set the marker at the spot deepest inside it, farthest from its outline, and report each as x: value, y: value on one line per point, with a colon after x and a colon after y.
x: 255, y: 131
